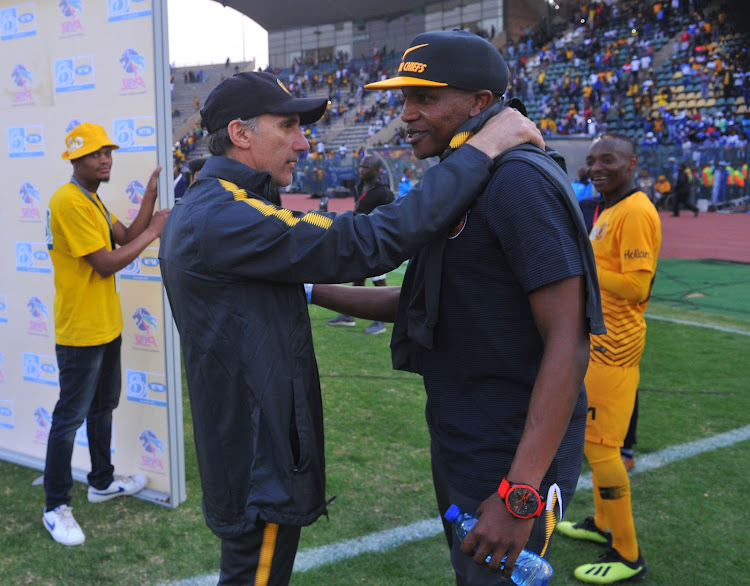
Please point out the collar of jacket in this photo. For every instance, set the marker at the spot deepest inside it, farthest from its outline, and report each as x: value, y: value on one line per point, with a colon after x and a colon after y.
x: 247, y: 178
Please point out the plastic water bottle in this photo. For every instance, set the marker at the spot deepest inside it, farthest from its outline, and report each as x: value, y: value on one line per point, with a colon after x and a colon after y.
x: 530, y: 569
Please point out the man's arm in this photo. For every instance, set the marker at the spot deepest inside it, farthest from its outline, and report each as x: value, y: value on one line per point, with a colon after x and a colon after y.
x: 560, y: 316
x: 133, y: 240
x: 107, y: 262
x: 375, y: 303
x: 124, y: 234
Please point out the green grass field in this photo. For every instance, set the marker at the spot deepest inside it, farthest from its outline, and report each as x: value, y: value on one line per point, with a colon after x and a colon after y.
x: 691, y: 515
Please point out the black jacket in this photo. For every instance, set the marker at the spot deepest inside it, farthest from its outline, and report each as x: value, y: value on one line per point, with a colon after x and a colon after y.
x: 233, y: 266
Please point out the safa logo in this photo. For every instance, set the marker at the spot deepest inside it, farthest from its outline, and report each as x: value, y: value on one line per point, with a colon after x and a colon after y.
x: 22, y: 78
x: 154, y: 448
x: 146, y: 387
x: 26, y: 141
x: 147, y: 324
x: 3, y: 309
x: 126, y: 9
x: 71, y: 12
x: 73, y: 74
x: 18, y: 21
x: 30, y: 197
x: 134, y: 64
x: 135, y: 134
x: 7, y: 414
x: 43, y: 424
x: 135, y: 191
x: 39, y: 314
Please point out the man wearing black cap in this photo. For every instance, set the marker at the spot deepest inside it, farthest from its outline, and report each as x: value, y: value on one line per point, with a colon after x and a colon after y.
x: 233, y: 265
x: 495, y: 314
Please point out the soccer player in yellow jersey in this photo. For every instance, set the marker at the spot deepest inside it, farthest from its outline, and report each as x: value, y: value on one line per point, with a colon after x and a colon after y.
x: 626, y: 239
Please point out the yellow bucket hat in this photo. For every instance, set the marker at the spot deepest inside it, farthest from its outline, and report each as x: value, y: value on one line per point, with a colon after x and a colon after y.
x: 85, y: 139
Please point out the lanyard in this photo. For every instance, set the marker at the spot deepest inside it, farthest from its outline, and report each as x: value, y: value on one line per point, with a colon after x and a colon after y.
x: 101, y: 207
x: 105, y: 212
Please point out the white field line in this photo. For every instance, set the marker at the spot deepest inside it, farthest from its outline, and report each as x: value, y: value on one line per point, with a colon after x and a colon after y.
x: 697, y: 324
x: 391, y: 538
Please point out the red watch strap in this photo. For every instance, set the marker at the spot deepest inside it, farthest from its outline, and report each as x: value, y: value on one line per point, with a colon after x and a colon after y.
x: 504, y: 487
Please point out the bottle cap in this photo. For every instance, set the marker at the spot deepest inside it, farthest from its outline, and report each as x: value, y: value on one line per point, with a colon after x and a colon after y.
x: 452, y: 513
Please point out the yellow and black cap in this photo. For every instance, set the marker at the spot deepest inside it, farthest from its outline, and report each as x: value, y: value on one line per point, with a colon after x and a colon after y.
x: 450, y: 58
x: 253, y: 93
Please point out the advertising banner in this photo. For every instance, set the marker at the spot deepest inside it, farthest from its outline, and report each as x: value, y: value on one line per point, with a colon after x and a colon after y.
x: 63, y: 63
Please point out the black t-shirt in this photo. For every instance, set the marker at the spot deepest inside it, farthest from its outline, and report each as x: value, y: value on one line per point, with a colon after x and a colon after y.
x: 517, y: 237
x: 378, y: 195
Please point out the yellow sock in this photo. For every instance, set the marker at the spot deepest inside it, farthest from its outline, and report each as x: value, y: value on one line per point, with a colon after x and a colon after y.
x: 612, y: 487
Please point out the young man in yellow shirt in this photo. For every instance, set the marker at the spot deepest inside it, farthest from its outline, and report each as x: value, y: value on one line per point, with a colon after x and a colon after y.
x: 82, y: 237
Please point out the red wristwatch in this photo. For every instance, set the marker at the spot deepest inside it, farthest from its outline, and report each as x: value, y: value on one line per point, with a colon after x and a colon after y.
x: 523, y: 501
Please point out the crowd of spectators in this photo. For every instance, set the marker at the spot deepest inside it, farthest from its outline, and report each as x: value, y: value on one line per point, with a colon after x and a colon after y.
x: 599, y: 69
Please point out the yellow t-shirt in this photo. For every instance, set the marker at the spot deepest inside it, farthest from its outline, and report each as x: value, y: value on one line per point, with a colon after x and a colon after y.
x: 87, y: 307
x: 625, y: 238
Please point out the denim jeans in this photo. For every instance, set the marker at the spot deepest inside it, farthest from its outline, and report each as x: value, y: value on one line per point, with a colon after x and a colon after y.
x: 90, y: 383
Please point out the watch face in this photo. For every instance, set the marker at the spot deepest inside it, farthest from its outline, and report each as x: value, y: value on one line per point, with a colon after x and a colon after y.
x: 523, y: 501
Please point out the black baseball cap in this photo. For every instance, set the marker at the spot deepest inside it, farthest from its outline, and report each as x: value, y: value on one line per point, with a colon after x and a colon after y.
x: 450, y: 58
x: 252, y: 93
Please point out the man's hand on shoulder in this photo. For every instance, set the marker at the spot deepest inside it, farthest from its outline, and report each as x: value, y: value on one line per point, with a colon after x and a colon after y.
x: 506, y: 130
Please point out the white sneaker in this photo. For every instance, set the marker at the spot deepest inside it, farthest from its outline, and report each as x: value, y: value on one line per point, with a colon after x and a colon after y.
x: 62, y: 526
x: 121, y: 486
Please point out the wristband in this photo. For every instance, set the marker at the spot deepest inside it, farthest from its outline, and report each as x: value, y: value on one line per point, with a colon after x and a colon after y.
x: 308, y: 292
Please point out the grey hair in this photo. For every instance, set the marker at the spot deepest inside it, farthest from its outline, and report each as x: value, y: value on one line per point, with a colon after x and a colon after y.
x: 219, y: 142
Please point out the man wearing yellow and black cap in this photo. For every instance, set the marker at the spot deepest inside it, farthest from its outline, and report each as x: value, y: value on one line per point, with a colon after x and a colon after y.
x: 495, y: 314
x: 83, y: 238
x: 234, y: 265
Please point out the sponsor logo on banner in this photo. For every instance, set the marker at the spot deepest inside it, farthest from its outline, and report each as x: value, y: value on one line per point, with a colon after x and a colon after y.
x: 43, y: 424
x: 143, y: 268
x: 26, y: 141
x: 22, y: 78
x: 135, y: 191
x: 40, y: 369
x: 32, y: 257
x: 134, y: 64
x: 7, y: 415
x: 135, y: 134
x: 3, y: 308
x: 39, y: 314
x: 30, y: 197
x: 82, y: 438
x: 18, y: 21
x: 74, y: 74
x: 154, y: 451
x: 71, y: 22
x: 2, y: 367
x: 146, y: 387
x: 147, y: 324
x: 125, y: 9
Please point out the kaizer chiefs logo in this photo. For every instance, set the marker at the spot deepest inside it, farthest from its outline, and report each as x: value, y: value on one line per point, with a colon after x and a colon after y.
x: 458, y: 228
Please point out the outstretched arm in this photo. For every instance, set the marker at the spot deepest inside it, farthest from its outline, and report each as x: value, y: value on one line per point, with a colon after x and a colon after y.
x: 375, y: 303
x: 132, y: 240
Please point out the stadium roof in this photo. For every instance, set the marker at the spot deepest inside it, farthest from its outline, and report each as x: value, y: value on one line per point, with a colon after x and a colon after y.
x: 275, y: 15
